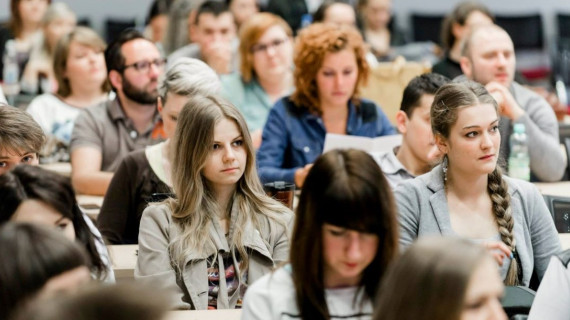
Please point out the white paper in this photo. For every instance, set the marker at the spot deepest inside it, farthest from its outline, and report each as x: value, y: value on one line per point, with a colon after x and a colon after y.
x: 374, y: 146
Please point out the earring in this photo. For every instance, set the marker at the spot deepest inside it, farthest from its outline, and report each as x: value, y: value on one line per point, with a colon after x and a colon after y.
x: 444, y: 167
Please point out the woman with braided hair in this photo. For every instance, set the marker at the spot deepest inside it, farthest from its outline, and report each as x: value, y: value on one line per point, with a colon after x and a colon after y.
x: 467, y: 196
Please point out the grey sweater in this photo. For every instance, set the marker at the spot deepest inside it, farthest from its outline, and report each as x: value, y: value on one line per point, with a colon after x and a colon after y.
x: 547, y: 162
x: 422, y: 205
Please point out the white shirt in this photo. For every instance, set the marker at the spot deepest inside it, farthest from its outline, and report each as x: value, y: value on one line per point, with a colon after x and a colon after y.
x: 54, y: 116
x: 273, y: 297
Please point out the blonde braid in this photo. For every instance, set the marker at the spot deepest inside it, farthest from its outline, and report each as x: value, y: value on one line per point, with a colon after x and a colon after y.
x: 498, y: 191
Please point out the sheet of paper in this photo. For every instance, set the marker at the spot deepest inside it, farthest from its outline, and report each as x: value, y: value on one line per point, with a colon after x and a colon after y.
x: 374, y: 146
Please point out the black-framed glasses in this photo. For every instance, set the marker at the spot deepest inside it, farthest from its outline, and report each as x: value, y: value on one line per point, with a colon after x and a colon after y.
x: 263, y: 47
x: 144, y: 66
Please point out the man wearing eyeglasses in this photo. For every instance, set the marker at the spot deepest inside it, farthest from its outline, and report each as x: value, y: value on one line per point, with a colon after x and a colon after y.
x: 104, y: 133
x: 213, y: 31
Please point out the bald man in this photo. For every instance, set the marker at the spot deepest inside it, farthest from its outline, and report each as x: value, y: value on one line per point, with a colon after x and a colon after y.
x: 488, y: 57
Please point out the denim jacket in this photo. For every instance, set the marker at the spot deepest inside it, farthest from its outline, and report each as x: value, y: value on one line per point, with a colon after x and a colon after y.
x: 293, y: 137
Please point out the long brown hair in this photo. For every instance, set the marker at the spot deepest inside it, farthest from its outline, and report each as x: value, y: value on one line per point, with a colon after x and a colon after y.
x: 448, y: 102
x: 459, y: 15
x: 429, y: 281
x: 195, y: 205
x: 344, y: 188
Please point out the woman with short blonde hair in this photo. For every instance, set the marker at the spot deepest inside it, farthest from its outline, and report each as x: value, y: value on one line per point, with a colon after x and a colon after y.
x: 81, y: 74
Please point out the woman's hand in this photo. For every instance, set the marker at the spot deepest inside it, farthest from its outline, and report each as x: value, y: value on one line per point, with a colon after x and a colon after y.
x: 499, y: 250
x: 301, y: 174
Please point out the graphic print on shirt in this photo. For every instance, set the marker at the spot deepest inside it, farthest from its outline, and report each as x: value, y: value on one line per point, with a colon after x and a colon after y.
x: 233, y: 285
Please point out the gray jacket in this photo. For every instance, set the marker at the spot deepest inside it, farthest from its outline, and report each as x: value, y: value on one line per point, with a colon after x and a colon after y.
x: 547, y: 161
x: 189, y: 290
x: 422, y: 205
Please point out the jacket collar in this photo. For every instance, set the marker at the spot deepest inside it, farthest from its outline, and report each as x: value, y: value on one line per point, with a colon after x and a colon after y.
x: 252, y: 238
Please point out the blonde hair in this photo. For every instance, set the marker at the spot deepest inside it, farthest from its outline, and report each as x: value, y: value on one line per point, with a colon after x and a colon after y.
x: 448, y: 101
x: 195, y: 205
x: 83, y: 36
x: 250, y: 32
x: 313, y: 43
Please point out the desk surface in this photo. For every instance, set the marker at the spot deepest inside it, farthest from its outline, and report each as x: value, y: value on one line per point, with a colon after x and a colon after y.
x: 63, y: 168
x: 124, y: 259
x: 91, y: 205
x: 204, y: 315
x: 554, y: 188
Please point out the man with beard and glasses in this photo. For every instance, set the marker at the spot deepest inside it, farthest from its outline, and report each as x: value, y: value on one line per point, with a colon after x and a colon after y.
x: 104, y: 133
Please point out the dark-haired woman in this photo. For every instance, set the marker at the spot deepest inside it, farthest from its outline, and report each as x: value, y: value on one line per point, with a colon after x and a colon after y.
x: 467, y: 196
x: 32, y: 194
x: 345, y: 236
x: 37, y: 262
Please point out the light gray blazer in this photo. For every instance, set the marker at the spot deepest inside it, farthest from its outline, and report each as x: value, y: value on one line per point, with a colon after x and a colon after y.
x: 422, y: 205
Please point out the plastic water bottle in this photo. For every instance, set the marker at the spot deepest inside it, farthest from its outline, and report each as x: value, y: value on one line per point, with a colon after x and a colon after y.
x: 519, y: 161
x: 11, y: 72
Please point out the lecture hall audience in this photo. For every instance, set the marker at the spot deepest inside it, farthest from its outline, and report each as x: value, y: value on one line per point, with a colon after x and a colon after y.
x: 32, y: 194
x: 337, y: 259
x: 266, y: 70
x: 430, y: 230
x: 441, y: 278
x: 103, y: 134
x: 221, y: 232
x: 25, y: 22
x: 454, y: 29
x: 418, y: 152
x: 37, y: 263
x: 38, y: 76
x: 468, y: 196
x: 144, y: 175
x: 213, y: 32
x: 329, y: 65
x: 488, y: 57
x: 79, y: 65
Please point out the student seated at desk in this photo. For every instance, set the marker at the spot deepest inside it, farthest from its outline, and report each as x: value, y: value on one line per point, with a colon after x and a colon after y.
x: 221, y: 233
x: 37, y: 263
x: 418, y: 152
x: 21, y: 138
x: 443, y: 279
x: 337, y: 259
x: 32, y: 194
x: 146, y: 172
x: 467, y: 196
x: 329, y: 66
x: 79, y: 66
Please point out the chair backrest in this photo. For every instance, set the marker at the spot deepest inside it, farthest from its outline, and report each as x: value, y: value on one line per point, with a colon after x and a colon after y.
x: 426, y: 27
x: 526, y: 31
x: 563, y: 20
x: 560, y: 209
x: 387, y: 81
x: 113, y: 27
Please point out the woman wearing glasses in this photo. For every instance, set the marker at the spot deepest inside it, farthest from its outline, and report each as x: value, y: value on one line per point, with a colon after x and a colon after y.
x: 329, y: 65
x: 266, y: 70
x: 81, y: 74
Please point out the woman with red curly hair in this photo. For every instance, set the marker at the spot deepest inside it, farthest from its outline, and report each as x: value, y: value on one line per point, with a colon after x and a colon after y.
x: 330, y: 64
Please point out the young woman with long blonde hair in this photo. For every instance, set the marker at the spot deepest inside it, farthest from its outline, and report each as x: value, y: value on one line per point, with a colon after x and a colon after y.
x: 221, y: 232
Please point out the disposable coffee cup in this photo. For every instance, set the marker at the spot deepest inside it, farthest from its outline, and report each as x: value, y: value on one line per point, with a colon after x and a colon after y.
x: 281, y: 191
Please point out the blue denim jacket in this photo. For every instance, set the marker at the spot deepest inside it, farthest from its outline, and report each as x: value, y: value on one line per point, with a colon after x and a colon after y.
x: 293, y: 137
